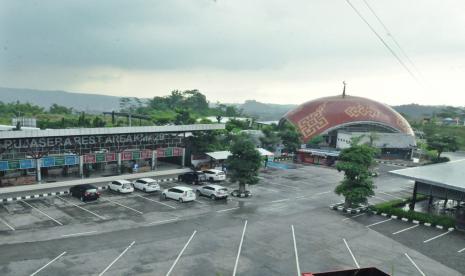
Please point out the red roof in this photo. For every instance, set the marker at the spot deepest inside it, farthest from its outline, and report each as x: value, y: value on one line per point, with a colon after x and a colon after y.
x: 322, y: 115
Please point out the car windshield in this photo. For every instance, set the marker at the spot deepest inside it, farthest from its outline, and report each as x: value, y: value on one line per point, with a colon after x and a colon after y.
x: 91, y: 191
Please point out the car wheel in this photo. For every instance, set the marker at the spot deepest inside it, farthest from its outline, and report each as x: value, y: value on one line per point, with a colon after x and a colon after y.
x: 181, y: 200
x: 213, y: 197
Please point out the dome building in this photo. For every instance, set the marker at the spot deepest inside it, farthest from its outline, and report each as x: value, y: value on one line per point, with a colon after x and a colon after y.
x: 341, y: 118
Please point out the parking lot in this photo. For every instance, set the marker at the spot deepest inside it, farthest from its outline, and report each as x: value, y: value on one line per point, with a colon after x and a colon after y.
x: 284, y: 228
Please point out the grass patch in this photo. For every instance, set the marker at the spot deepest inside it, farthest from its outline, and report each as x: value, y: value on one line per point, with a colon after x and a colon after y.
x: 393, y: 207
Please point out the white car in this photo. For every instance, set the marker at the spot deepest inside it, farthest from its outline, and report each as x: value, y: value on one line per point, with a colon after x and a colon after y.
x: 213, y: 191
x: 215, y: 175
x: 146, y: 184
x: 180, y: 193
x: 121, y: 186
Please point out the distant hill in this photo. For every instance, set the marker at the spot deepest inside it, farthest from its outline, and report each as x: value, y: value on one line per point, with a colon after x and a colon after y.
x: 265, y: 111
x: 45, y: 98
x: 416, y: 111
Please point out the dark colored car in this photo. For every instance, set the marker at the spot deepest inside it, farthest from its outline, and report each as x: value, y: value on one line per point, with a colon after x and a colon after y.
x: 84, y: 192
x: 192, y: 177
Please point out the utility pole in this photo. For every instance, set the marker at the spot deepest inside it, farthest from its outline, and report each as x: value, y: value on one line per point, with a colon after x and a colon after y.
x: 344, y: 89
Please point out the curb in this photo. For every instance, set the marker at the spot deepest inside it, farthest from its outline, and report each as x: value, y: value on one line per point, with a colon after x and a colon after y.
x: 392, y: 163
x: 100, y: 188
x: 413, y: 221
x: 339, y: 207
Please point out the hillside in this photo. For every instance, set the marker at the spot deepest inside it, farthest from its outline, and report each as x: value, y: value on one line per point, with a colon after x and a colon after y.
x: 45, y: 98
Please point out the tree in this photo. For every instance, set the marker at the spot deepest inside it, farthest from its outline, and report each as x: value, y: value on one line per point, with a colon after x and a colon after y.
x: 183, y: 117
x: 442, y: 143
x: 244, y: 162
x: 357, y: 184
x: 59, y: 109
x: 316, y: 140
x: 290, y: 138
x: 270, y: 138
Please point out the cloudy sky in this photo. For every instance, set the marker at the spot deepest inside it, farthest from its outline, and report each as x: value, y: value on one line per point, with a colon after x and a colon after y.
x: 273, y: 51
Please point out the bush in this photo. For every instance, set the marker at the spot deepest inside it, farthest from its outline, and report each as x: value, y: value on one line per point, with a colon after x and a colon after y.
x: 392, y: 208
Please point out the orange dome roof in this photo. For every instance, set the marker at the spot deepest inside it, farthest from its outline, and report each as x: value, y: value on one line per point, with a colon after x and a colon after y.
x: 325, y: 114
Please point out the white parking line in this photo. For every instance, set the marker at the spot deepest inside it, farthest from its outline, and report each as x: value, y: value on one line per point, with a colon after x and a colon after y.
x: 162, y: 221
x: 127, y: 207
x: 225, y: 210
x: 406, y: 229
x: 84, y: 209
x: 78, y: 234
x: 180, y: 253
x: 42, y: 212
x: 156, y: 201
x: 199, y: 201
x: 295, y: 250
x: 379, y: 222
x: 393, y: 196
x: 239, y: 250
x: 117, y: 258
x: 279, y: 200
x: 414, y: 264
x: 351, y: 254
x: 356, y: 216
x: 438, y: 236
x: 9, y: 226
x: 461, y: 250
x: 56, y: 258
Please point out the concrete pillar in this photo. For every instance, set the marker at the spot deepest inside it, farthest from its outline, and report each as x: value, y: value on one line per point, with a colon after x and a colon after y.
x: 154, y: 160
x: 81, y: 166
x: 183, y: 162
x: 118, y: 158
x: 414, y: 197
x: 39, y: 174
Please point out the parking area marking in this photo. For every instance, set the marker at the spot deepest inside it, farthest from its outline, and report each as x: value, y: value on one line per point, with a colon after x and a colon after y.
x: 82, y: 208
x: 229, y: 209
x: 240, y: 248
x: 127, y: 207
x: 438, y: 236
x: 295, y: 250
x: 356, y: 216
x: 414, y: 264
x: 406, y: 229
x: 280, y: 200
x: 393, y: 196
x: 199, y: 201
x: 180, y: 253
x: 461, y: 250
x: 379, y: 222
x: 288, y: 186
x: 38, y: 210
x: 351, y: 254
x: 117, y: 258
x: 9, y: 226
x: 47, y: 264
x: 156, y: 201
x: 78, y: 234
x: 162, y: 221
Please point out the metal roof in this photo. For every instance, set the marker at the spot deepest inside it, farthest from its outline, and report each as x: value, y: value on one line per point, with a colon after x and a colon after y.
x: 223, y: 155
x: 107, y: 131
x: 449, y: 175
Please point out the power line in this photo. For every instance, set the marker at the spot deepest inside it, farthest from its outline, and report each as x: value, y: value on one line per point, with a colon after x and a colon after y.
x: 391, y: 35
x: 383, y: 41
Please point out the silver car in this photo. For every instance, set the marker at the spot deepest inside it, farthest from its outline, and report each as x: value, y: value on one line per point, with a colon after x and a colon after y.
x: 213, y: 191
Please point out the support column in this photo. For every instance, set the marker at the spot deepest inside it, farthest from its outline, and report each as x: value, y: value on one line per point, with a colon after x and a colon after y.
x: 183, y: 162
x: 38, y: 172
x: 118, y: 158
x: 414, y: 197
x: 154, y: 160
x: 81, y: 166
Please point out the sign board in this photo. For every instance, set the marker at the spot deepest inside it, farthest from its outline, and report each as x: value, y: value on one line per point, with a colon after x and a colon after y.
x: 136, y: 155
x: 71, y: 160
x: 146, y: 154
x: 100, y: 157
x: 89, y: 158
x: 126, y: 155
x: 110, y: 157
x: 48, y: 161
x: 3, y: 165
x: 26, y: 164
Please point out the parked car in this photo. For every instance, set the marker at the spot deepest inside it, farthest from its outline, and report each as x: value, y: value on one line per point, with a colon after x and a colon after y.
x: 146, y: 184
x: 192, y: 177
x: 84, y: 192
x: 215, y: 175
x: 121, y: 186
x: 180, y: 193
x: 213, y: 191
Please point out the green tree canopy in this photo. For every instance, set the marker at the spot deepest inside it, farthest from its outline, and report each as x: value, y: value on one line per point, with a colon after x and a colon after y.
x: 357, y: 184
x: 290, y: 137
x: 442, y: 143
x: 270, y: 138
x: 59, y: 109
x: 244, y: 162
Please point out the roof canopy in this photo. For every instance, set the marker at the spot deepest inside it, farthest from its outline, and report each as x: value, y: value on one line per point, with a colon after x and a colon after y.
x: 223, y: 155
x: 450, y: 175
